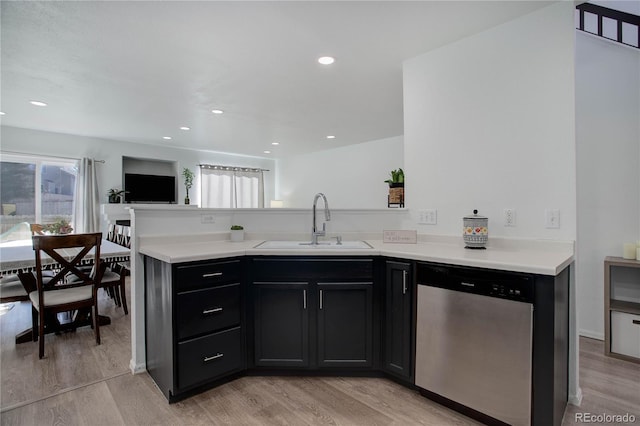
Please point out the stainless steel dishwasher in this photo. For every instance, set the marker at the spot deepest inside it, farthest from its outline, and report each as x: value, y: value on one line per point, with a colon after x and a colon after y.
x: 474, y: 339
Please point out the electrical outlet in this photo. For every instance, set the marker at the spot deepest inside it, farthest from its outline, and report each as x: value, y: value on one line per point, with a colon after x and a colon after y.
x: 552, y: 218
x: 207, y: 218
x: 428, y: 217
x: 509, y: 217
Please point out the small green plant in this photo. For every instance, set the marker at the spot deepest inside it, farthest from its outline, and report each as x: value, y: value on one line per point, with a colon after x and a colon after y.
x: 396, y: 176
x: 188, y: 175
x: 236, y: 227
x: 114, y: 195
x: 60, y: 226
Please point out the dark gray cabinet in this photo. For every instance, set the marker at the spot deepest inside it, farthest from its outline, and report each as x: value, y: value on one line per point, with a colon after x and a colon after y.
x: 313, y: 312
x: 398, y: 315
x: 281, y: 324
x: 345, y: 321
x: 193, y: 321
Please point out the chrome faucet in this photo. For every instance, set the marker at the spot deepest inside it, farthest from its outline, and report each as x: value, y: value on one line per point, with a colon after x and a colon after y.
x: 327, y: 216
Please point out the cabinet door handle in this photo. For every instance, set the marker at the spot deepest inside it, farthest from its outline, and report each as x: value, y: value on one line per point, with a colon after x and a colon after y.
x: 636, y: 322
x: 211, y: 311
x: 213, y: 358
x: 404, y: 282
x: 321, y: 298
x: 304, y: 299
x: 213, y: 274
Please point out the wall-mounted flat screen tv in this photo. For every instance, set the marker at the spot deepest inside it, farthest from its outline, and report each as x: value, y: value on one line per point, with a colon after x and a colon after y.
x: 149, y: 188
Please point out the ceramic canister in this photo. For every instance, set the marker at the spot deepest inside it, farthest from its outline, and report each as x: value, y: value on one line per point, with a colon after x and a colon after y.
x: 475, y: 231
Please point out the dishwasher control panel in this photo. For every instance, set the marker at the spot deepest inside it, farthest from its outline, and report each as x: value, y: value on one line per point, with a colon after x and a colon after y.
x: 504, y: 285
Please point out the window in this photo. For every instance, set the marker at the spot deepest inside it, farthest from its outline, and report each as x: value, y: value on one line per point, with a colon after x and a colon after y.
x: 36, y: 190
x: 231, y: 187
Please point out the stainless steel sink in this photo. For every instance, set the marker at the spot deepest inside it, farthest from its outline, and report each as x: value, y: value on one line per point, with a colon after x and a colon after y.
x: 306, y: 245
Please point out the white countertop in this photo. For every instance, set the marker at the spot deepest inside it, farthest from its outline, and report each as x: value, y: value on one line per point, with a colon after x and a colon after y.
x: 536, y: 258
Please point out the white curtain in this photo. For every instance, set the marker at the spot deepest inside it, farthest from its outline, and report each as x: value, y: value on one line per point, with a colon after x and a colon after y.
x: 222, y: 188
x: 87, y: 201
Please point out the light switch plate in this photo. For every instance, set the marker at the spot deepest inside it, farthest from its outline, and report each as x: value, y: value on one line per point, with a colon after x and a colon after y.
x: 552, y: 218
x: 428, y: 217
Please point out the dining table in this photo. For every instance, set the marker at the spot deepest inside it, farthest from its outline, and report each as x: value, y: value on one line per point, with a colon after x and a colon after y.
x: 18, y: 258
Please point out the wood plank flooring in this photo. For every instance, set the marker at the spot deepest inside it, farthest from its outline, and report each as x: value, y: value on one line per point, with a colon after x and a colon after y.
x: 79, y: 383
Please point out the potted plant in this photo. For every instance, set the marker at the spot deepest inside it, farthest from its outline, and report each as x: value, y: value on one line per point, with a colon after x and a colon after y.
x: 114, y: 195
x: 396, y: 179
x: 60, y: 226
x: 188, y: 182
x: 237, y: 233
x: 396, y: 188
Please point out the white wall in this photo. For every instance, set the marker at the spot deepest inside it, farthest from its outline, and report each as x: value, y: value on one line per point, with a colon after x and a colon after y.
x: 489, y: 125
x: 351, y: 177
x: 608, y: 165
x: 13, y: 139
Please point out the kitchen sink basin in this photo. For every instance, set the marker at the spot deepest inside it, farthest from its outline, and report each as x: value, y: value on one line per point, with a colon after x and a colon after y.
x: 306, y: 245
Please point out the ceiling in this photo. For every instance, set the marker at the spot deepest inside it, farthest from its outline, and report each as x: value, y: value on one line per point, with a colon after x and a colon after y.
x: 137, y: 71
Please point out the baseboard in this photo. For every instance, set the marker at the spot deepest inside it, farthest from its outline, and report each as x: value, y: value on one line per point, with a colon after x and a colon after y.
x: 591, y: 334
x: 137, y: 368
x: 577, y: 398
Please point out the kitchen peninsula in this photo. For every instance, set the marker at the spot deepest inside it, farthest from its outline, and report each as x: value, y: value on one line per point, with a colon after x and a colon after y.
x: 216, y: 309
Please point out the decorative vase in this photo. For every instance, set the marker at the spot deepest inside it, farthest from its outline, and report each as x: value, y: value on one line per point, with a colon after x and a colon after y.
x: 237, y: 235
x: 186, y: 199
x: 114, y: 199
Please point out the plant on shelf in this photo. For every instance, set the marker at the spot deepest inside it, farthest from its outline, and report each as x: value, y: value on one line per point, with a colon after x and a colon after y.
x: 188, y: 175
x: 115, y: 194
x: 61, y: 226
x: 237, y: 233
x: 396, y: 178
x: 396, y: 188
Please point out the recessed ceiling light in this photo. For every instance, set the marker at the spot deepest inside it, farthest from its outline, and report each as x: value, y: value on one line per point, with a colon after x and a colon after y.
x: 2, y: 113
x: 275, y: 143
x: 217, y: 111
x: 37, y: 103
x: 167, y: 138
x: 326, y: 60
x: 267, y: 152
x: 185, y: 128
x: 331, y: 137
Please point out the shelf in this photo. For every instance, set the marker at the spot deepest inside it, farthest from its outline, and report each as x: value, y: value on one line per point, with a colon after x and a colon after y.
x: 619, y: 261
x: 626, y: 307
x: 618, y: 337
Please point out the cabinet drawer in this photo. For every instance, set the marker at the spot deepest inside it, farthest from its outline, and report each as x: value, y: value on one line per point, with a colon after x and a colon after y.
x: 209, y: 357
x: 625, y: 334
x: 207, y: 310
x: 189, y: 277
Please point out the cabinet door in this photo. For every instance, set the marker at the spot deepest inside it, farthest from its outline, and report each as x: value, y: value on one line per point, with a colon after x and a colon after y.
x: 281, y: 324
x: 345, y: 323
x: 397, y: 321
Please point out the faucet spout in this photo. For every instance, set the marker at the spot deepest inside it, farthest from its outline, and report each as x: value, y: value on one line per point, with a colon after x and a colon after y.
x: 327, y: 216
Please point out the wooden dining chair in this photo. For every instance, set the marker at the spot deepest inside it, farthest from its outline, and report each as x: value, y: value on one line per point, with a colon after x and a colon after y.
x: 61, y: 293
x: 37, y: 229
x: 113, y: 281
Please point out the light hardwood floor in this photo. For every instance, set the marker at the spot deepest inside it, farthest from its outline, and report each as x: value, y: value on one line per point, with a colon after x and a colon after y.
x: 79, y: 383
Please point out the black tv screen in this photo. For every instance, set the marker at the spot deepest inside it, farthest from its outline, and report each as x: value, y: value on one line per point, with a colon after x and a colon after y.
x: 149, y: 188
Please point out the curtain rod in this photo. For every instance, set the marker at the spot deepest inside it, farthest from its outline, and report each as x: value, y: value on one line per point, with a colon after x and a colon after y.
x: 46, y: 156
x: 232, y: 168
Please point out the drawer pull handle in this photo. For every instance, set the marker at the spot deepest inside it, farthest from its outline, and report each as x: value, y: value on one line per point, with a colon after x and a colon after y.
x: 213, y: 358
x: 404, y: 282
x: 636, y: 322
x: 304, y: 299
x: 211, y: 311
x: 213, y: 274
